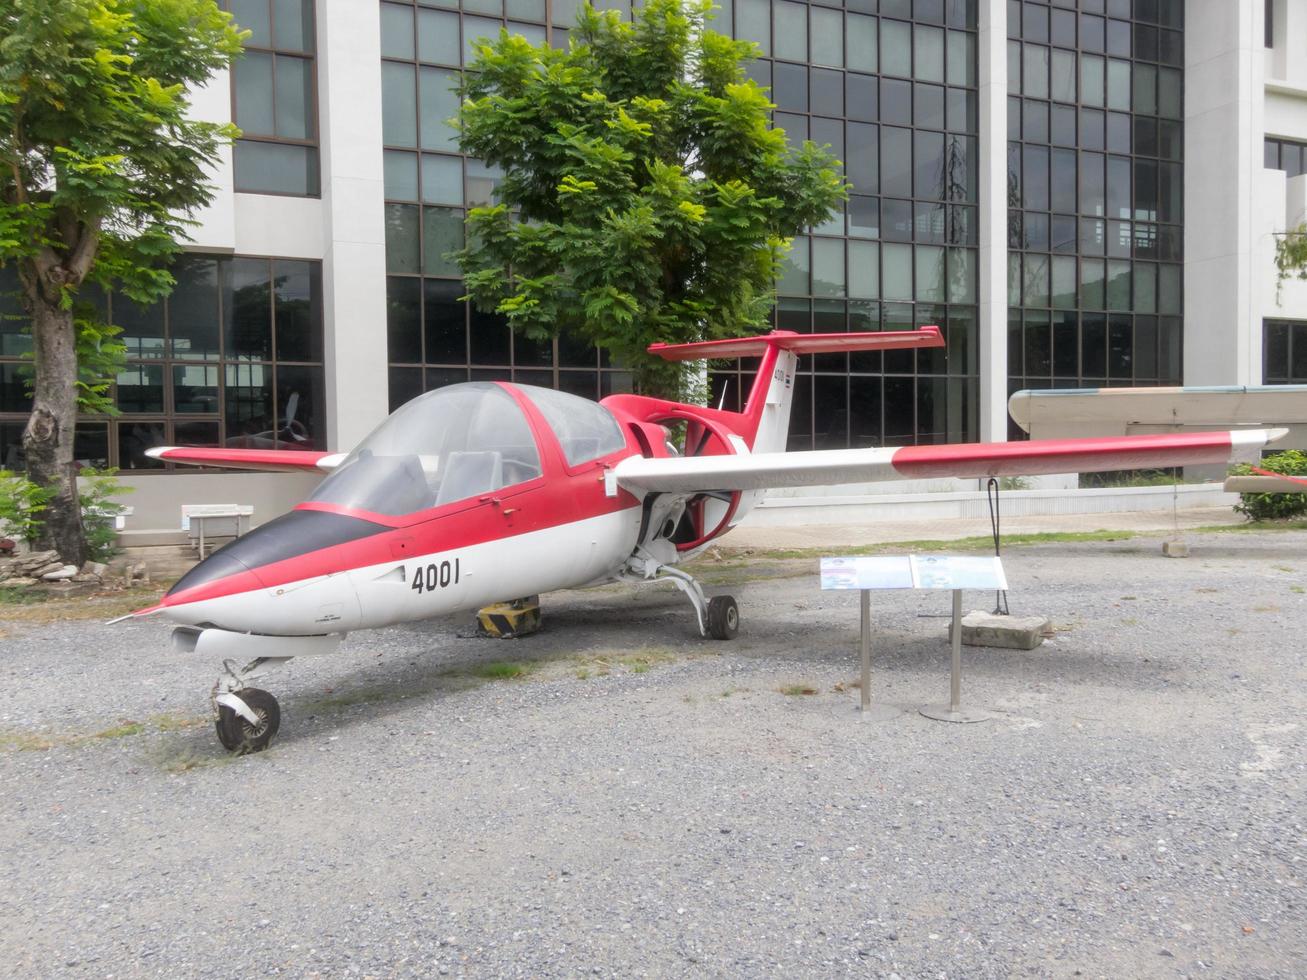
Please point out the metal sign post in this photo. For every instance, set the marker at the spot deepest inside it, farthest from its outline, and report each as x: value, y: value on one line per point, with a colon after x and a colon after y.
x: 953, y: 573
x: 954, y: 711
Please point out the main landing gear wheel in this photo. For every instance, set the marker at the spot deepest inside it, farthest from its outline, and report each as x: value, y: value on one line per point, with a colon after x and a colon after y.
x: 723, y: 617
x: 242, y: 736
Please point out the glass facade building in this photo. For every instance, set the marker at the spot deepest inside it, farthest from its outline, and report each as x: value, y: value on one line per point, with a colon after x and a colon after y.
x: 1095, y: 181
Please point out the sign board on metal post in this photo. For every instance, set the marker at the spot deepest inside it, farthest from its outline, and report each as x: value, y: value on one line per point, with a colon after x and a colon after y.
x: 953, y: 573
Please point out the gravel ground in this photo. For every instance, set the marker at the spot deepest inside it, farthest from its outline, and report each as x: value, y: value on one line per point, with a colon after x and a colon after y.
x: 647, y: 803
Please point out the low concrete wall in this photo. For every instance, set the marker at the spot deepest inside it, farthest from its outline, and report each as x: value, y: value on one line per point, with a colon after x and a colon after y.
x: 156, y: 499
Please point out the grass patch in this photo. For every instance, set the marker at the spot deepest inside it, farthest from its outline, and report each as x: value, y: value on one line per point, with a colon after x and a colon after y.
x: 502, y: 670
x: 637, y: 661
x: 43, y: 607
x: 797, y: 690
x: 15, y: 596
x: 1297, y: 588
x: 125, y: 729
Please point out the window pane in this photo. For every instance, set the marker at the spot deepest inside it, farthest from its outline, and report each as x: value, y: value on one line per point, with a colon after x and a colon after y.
x: 276, y: 168
x: 928, y: 178
x: 1091, y: 80
x: 790, y: 87
x: 249, y: 408
x: 195, y: 389
x: 140, y: 389
x: 896, y: 279
x: 396, y: 31
x: 861, y: 163
x: 1034, y: 78
x: 247, y: 310
x: 252, y: 15
x: 134, y: 438
x: 193, y: 308
x: 403, y: 319
x: 444, y: 324
x: 827, y: 267
x: 827, y: 37
x: 895, y: 48
x: 401, y: 175
x: 862, y: 42
x: 477, y: 30
x: 930, y: 274
x: 928, y: 53
x: 794, y: 269
x: 399, y: 114
x: 864, y: 216
x: 1063, y: 84
x: 297, y: 300
x: 442, y: 179
x: 14, y: 398
x: 252, y: 91
x: 438, y: 37
x: 1118, y: 285
x: 294, y: 97
x: 438, y: 103
x: 896, y: 161
x: 961, y: 275
x: 142, y: 326
x: 293, y: 25
x: 864, y: 270
x: 961, y: 58
x: 402, y: 241
x: 301, y: 412
x: 1064, y: 282
x: 442, y: 232
x: 1118, y: 85
x: 753, y: 23
x: 1091, y: 284
x: 827, y: 96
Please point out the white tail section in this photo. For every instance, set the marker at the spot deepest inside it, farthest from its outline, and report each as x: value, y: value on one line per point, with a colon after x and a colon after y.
x: 774, y: 425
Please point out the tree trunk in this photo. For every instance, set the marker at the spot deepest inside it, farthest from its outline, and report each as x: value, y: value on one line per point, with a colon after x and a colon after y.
x: 48, y: 438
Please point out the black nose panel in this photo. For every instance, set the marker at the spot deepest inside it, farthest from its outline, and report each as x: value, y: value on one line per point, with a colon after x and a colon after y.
x: 288, y: 536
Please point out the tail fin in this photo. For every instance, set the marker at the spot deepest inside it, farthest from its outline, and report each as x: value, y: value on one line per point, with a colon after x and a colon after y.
x: 767, y: 412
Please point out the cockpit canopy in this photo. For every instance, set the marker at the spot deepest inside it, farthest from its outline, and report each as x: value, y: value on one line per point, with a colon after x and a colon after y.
x: 460, y: 442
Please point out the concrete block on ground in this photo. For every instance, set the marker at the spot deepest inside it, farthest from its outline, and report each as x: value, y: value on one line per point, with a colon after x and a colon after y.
x: 1175, y: 549
x: 985, y: 629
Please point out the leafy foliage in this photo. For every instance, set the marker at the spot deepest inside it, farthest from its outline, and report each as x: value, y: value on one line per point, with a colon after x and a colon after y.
x: 99, y: 509
x: 1274, y: 506
x: 21, y: 504
x: 644, y: 195
x: 101, y: 167
x: 101, y: 163
x: 1290, y: 256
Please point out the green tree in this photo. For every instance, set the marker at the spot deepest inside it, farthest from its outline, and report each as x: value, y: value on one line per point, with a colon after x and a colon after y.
x: 645, y: 196
x: 100, y: 169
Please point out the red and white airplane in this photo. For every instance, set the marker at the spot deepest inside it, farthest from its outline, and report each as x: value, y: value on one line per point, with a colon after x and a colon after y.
x: 484, y: 492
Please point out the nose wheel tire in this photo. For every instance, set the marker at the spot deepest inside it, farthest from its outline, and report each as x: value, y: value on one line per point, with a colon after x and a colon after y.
x: 240, y: 735
x: 723, y: 618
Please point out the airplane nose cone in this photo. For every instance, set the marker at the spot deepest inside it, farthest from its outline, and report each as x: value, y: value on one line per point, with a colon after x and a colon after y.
x: 234, y: 567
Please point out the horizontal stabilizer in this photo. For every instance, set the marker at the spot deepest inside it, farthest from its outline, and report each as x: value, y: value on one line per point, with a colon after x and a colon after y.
x: 764, y: 471
x: 269, y: 460
x: 799, y: 343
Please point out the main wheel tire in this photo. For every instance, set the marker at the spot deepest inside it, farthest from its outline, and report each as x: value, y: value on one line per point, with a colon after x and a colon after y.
x: 237, y: 734
x: 723, y: 618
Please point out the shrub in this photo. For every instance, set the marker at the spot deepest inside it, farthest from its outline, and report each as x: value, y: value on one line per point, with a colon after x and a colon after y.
x: 21, y: 504
x: 1274, y: 506
x: 98, y: 487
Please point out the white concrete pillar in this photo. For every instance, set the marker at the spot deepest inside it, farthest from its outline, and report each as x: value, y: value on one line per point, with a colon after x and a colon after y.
x: 1223, y: 158
x: 992, y: 66
x: 353, y: 194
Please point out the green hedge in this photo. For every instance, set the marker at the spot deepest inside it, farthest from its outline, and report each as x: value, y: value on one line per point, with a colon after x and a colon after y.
x: 1274, y: 506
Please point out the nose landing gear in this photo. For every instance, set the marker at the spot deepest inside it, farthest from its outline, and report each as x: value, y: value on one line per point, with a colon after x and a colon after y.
x: 245, y: 718
x: 239, y: 733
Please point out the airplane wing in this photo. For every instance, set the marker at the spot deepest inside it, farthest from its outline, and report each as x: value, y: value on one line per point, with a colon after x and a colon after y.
x: 269, y: 460
x: 689, y: 474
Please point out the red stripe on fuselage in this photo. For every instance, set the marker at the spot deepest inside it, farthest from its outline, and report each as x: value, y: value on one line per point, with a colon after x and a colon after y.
x: 564, y: 495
